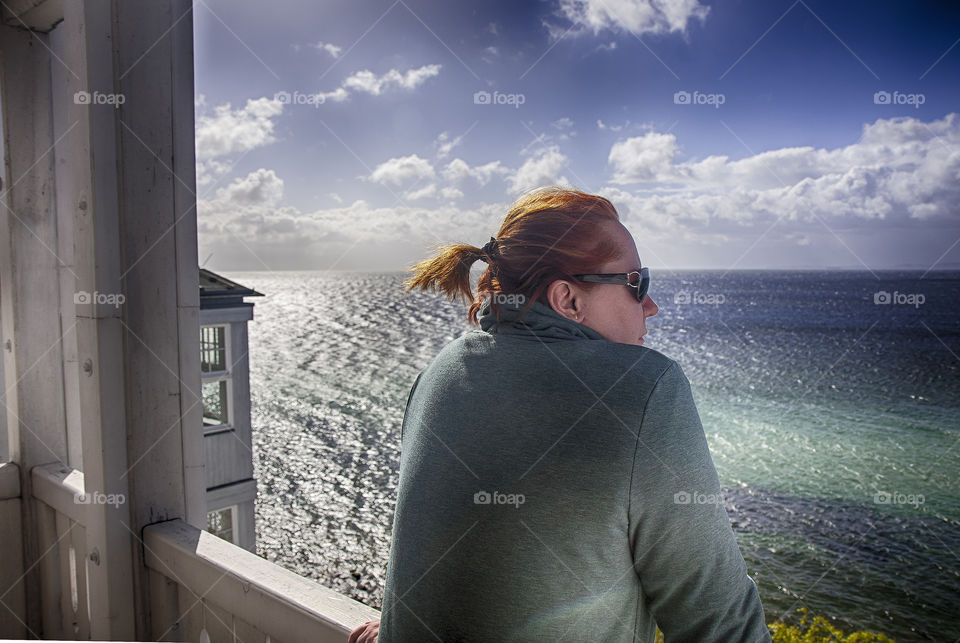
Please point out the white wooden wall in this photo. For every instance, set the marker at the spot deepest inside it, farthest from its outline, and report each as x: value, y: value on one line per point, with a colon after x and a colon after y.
x: 106, y: 399
x: 99, y: 199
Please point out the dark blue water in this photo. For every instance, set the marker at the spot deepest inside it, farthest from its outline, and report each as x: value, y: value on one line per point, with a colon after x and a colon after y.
x: 833, y: 419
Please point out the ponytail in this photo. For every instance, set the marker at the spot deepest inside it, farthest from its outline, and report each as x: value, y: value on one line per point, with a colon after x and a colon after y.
x: 448, y: 272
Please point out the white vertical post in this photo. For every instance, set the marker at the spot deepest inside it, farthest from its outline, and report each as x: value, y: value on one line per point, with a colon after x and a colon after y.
x: 153, y: 67
x: 90, y: 201
x: 29, y: 283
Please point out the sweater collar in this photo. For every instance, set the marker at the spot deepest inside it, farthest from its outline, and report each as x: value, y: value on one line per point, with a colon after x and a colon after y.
x: 540, y: 322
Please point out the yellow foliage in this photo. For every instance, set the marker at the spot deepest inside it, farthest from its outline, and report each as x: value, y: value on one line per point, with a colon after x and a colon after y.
x: 820, y: 631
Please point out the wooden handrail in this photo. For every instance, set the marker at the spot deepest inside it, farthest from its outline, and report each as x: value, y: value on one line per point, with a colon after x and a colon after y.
x: 262, y: 594
x: 9, y: 481
x: 64, y: 489
x: 59, y: 487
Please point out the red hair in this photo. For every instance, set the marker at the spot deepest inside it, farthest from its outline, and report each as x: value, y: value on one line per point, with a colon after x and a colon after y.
x: 548, y: 234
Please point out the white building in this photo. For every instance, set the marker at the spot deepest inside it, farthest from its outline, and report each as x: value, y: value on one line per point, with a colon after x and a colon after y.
x: 227, y: 435
x: 103, y: 477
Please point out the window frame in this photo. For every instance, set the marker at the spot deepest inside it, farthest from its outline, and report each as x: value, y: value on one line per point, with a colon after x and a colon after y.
x: 233, y: 512
x: 211, y: 377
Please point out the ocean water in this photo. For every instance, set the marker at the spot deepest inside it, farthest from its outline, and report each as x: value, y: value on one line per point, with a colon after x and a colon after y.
x: 833, y: 419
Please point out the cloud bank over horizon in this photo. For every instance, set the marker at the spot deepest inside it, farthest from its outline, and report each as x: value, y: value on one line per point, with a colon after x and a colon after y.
x: 398, y: 168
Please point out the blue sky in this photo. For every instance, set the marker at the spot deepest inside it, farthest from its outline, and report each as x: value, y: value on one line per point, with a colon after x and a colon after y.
x: 755, y: 134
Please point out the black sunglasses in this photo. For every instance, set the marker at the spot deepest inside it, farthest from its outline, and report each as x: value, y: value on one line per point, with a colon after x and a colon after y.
x: 639, y: 280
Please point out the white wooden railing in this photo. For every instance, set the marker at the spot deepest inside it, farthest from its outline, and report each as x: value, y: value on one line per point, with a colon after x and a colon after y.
x: 237, y: 596
x: 62, y: 518
x: 202, y: 588
x: 12, y: 597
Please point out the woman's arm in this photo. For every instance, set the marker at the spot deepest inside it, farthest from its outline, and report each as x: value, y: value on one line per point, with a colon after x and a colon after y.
x: 684, y: 550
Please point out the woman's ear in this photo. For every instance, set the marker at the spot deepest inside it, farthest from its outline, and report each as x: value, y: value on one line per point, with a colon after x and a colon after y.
x: 565, y: 299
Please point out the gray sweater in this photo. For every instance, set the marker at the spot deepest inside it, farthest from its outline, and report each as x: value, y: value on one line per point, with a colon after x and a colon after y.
x: 555, y: 485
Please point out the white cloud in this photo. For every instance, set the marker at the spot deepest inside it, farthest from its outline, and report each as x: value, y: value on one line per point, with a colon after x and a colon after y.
x: 359, y: 236
x: 362, y: 81
x: 642, y: 158
x: 209, y: 170
x: 562, y: 123
x: 367, y: 81
x: 338, y: 95
x: 445, y: 145
x: 228, y: 131
x: 901, y: 169
x: 401, y: 168
x: 262, y: 187
x: 451, y: 193
x: 484, y: 173
x: 542, y: 169
x: 422, y: 193
x: 331, y: 49
x: 458, y: 170
x: 613, y: 128
x: 634, y: 16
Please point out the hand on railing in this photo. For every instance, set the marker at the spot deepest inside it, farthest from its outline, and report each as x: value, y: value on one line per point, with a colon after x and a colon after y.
x: 366, y: 633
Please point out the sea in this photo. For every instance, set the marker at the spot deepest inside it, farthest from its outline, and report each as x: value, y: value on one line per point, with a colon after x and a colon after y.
x: 830, y: 401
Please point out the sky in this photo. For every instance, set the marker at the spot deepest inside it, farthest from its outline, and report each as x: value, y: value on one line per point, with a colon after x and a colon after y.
x: 795, y: 134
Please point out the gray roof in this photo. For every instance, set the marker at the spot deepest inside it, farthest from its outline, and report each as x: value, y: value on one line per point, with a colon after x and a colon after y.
x: 216, y: 291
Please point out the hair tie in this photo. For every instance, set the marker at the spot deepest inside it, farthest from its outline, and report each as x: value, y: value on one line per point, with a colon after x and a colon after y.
x: 489, y: 248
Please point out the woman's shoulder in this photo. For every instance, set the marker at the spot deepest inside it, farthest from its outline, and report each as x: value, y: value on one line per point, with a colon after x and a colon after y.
x: 585, y: 357
x: 649, y: 361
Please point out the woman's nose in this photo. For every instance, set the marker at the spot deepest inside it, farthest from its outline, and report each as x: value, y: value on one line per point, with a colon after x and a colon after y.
x: 650, y: 307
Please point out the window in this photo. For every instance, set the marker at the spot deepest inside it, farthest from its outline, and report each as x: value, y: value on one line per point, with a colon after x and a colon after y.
x: 213, y: 349
x: 215, y: 403
x: 220, y: 523
x: 215, y: 375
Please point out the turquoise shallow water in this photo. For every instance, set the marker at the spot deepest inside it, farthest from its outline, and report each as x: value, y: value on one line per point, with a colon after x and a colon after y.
x: 833, y: 419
